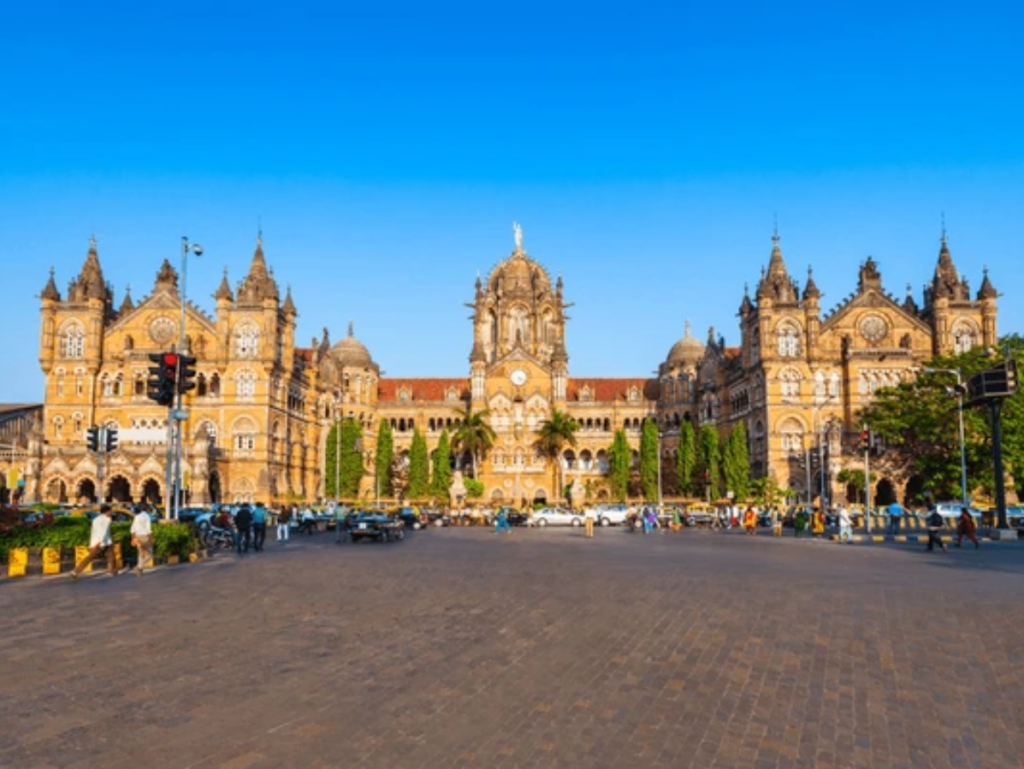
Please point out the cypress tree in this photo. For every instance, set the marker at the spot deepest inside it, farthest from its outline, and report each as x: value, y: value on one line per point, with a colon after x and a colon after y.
x: 419, y: 467
x: 384, y: 458
x: 649, y: 460
x: 351, y: 459
x: 709, y: 457
x: 330, y: 463
x: 686, y: 458
x: 620, y: 457
x: 441, y: 477
x: 736, y: 463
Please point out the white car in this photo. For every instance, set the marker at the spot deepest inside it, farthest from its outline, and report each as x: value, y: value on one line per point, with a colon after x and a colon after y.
x: 951, y: 511
x: 556, y: 516
x: 611, y: 515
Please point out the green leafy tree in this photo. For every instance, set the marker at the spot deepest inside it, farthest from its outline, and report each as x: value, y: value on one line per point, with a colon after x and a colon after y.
x: 854, y: 478
x: 419, y: 467
x: 917, y: 422
x: 709, y: 457
x: 736, y: 463
x: 441, y: 477
x: 649, y: 460
x: 766, y: 491
x: 620, y: 458
x: 686, y: 458
x: 474, y: 488
x: 343, y: 460
x: 553, y: 435
x: 384, y: 458
x: 474, y: 435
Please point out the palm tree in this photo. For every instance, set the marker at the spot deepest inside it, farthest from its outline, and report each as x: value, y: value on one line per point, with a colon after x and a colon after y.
x: 552, y: 436
x: 474, y: 435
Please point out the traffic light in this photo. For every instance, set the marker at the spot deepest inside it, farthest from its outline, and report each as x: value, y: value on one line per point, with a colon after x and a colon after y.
x: 111, y: 442
x: 1011, y: 376
x: 865, y: 441
x: 163, y: 377
x: 186, y: 374
x: 92, y: 438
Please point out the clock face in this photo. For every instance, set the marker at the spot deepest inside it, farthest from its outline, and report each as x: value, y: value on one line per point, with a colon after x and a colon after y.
x: 874, y: 329
x: 518, y: 377
x: 162, y: 330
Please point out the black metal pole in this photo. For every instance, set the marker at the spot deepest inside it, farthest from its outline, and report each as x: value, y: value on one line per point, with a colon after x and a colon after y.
x: 995, y: 410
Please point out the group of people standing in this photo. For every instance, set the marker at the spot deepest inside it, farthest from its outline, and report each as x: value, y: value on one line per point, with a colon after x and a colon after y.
x: 101, y: 543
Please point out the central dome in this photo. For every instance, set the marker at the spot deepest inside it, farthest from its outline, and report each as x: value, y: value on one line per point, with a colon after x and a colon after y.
x: 686, y: 351
x: 519, y: 273
x: 351, y: 352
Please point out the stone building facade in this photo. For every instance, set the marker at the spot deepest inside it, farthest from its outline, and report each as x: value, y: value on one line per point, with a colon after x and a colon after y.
x: 263, y: 408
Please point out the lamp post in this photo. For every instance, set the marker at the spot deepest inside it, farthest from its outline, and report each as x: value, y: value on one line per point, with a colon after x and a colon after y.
x: 659, y: 470
x: 815, y: 411
x: 179, y: 416
x: 959, y: 390
x: 337, y: 453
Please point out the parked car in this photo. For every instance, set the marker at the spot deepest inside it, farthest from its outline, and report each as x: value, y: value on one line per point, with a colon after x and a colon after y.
x: 611, y: 514
x: 411, y: 517
x: 950, y: 511
x: 376, y: 526
x: 700, y: 515
x: 557, y: 516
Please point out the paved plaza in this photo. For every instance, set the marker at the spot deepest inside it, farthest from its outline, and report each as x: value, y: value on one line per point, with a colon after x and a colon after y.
x: 461, y: 648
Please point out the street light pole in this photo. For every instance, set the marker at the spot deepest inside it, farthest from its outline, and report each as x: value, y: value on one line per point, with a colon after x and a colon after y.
x: 659, y: 469
x: 177, y: 415
x: 960, y: 415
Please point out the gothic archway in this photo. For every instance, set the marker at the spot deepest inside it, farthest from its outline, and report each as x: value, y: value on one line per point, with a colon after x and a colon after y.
x: 914, y: 492
x: 151, y: 492
x: 57, y: 491
x: 213, y: 486
x: 119, y: 490
x: 886, y: 493
x: 85, y: 490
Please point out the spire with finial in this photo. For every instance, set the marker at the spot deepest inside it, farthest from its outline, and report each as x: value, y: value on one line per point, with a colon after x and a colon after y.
x: 224, y: 289
x: 775, y: 281
x: 127, y: 305
x: 351, y: 329
x: 259, y: 283
x: 811, y: 289
x: 90, y: 283
x: 289, y: 303
x: 50, y: 291
x: 987, y: 290
x: 167, y: 278
x: 946, y: 282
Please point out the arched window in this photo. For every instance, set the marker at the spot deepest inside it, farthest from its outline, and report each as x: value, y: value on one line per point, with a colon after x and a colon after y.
x: 787, y: 336
x: 79, y: 382
x: 246, y: 339
x: 790, y: 383
x: 833, y: 385
x: 965, y: 337
x: 211, y: 432
x: 792, y: 434
x: 243, y: 434
x: 214, y: 385
x: 819, y: 385
x: 246, y: 383
x: 58, y: 427
x: 77, y: 417
x: 72, y: 340
x: 60, y: 382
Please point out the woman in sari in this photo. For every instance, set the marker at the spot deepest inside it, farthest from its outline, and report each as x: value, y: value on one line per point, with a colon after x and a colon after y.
x: 750, y: 521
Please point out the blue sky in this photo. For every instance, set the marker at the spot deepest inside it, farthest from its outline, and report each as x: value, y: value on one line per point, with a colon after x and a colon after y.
x: 387, y: 147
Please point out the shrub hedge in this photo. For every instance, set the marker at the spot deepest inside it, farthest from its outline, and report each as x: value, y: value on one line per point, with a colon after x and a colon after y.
x: 67, y: 533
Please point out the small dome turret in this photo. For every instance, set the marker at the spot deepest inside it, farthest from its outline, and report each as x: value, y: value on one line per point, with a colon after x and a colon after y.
x: 351, y: 352
x: 687, y: 350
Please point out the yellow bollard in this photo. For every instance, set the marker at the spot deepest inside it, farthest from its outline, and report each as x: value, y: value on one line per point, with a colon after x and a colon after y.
x: 51, y: 560
x: 81, y: 551
x: 118, y: 560
x: 17, y: 562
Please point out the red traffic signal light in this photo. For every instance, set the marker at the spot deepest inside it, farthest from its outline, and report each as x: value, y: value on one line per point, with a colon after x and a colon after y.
x: 865, y: 440
x: 163, y: 377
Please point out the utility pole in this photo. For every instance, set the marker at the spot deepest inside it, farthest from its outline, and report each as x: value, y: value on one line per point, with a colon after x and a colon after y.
x: 867, y: 481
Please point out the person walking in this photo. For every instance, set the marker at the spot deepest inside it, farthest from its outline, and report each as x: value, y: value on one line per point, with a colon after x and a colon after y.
x: 845, y: 524
x: 259, y: 527
x: 966, y: 527
x: 340, y: 523
x: 817, y: 524
x: 501, y: 522
x: 750, y: 522
x: 243, y: 525
x: 588, y: 522
x: 99, y: 544
x: 283, y: 519
x: 799, y: 522
x: 677, y: 519
x: 776, y: 522
x: 935, y: 524
x: 142, y: 538
x: 307, y: 522
x: 895, y: 511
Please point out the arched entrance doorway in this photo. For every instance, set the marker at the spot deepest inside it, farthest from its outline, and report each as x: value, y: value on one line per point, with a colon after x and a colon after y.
x: 85, y: 491
x: 151, y: 492
x: 497, y: 496
x: 540, y: 496
x: 214, y: 487
x: 57, y: 491
x: 119, y: 490
x: 914, y: 493
x: 886, y: 493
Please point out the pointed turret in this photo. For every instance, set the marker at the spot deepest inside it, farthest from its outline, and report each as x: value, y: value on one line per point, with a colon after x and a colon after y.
x: 259, y: 283
x: 89, y: 284
x: 127, y: 305
x: 811, y: 289
x: 223, y: 291
x: 166, y: 279
x: 289, y: 305
x: 50, y: 291
x: 746, y: 306
x: 987, y: 290
x: 775, y: 282
x: 946, y: 283
x: 909, y: 305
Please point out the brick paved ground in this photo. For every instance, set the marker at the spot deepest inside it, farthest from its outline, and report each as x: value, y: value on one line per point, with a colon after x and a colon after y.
x: 459, y: 648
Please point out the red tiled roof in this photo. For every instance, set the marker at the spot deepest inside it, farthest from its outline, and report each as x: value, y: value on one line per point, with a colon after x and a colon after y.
x: 422, y: 388
x: 732, y: 352
x: 610, y: 389
x: 304, y: 353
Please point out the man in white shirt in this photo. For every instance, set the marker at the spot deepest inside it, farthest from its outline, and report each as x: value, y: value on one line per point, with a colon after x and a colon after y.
x: 142, y: 536
x: 99, y: 542
x: 588, y: 518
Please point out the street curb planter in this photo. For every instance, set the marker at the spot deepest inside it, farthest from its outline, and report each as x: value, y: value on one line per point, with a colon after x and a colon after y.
x: 171, y: 560
x: 51, y: 560
x: 81, y: 551
x: 17, y: 562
